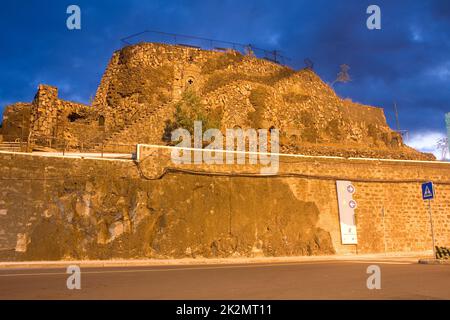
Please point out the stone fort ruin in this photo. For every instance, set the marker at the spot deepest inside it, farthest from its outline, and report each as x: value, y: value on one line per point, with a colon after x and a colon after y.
x: 143, y: 84
x: 57, y: 207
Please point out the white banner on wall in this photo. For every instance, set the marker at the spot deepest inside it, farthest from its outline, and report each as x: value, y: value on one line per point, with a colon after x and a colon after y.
x: 347, y: 206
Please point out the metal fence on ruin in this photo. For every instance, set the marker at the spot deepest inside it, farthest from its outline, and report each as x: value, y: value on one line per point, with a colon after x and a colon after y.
x: 54, y: 144
x: 204, y: 43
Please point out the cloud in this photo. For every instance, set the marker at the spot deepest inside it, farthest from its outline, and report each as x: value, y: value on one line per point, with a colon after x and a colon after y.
x: 441, y: 71
x: 416, y: 34
x: 406, y: 61
x: 427, y: 142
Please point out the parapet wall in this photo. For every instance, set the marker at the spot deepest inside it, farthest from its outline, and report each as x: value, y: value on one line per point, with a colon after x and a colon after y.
x: 60, y: 208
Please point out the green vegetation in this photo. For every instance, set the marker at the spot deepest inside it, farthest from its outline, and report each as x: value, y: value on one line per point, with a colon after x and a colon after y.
x: 190, y: 109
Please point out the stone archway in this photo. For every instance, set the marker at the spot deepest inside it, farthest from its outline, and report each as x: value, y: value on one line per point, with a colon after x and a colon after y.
x: 101, y: 121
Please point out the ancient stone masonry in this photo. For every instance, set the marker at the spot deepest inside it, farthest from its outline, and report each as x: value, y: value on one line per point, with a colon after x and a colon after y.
x: 62, y: 208
x: 54, y: 207
x: 143, y: 83
x: 16, y: 121
x: 56, y: 121
x: 44, y: 111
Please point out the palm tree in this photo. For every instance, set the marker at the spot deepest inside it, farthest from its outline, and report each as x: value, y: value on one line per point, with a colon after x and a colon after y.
x: 442, y: 144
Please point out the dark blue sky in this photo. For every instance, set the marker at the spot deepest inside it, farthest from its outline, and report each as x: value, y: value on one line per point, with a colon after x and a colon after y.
x: 408, y: 60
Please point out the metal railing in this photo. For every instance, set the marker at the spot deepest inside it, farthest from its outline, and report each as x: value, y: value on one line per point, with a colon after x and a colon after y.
x: 43, y: 143
x: 12, y: 143
x: 204, y: 43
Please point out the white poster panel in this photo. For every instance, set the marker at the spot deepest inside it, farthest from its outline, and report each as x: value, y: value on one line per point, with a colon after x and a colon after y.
x: 347, y: 206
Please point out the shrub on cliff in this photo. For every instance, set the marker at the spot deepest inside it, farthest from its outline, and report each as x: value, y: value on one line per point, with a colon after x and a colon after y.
x: 189, y: 109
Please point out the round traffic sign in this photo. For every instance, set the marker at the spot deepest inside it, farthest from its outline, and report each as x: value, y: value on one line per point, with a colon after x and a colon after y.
x: 352, y: 204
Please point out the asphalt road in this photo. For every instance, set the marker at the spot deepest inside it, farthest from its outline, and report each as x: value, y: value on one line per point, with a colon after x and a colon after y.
x: 305, y: 280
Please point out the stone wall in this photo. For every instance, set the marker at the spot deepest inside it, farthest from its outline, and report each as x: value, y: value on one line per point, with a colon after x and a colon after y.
x: 44, y: 111
x: 142, y: 77
x: 391, y: 187
x: 250, y: 93
x: 59, y: 208
x: 16, y: 122
x: 56, y: 122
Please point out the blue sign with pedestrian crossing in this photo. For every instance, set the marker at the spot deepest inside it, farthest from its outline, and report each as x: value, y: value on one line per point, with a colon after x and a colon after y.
x: 427, y: 190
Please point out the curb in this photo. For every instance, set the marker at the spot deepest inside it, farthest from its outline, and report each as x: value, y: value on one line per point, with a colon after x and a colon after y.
x: 434, y: 261
x: 208, y: 261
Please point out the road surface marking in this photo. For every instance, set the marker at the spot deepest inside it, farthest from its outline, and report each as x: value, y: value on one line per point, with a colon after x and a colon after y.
x: 205, y: 268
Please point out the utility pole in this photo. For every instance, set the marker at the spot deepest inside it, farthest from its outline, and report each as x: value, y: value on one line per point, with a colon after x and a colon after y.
x: 428, y: 193
x: 432, y: 231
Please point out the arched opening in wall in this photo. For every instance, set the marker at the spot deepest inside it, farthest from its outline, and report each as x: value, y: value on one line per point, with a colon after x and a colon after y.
x: 74, y: 116
x: 101, y: 121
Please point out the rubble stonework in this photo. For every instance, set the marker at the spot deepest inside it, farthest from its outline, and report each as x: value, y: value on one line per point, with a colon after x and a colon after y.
x: 249, y: 92
x: 55, y: 207
x: 16, y: 121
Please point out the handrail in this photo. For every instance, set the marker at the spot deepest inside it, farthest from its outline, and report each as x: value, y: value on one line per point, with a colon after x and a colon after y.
x: 276, y: 54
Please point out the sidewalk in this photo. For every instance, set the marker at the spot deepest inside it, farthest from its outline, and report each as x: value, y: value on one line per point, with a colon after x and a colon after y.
x: 110, y: 156
x: 434, y: 261
x: 399, y: 257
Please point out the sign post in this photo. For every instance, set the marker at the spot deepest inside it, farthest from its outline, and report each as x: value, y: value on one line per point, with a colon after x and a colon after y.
x: 347, y: 206
x: 428, y: 194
